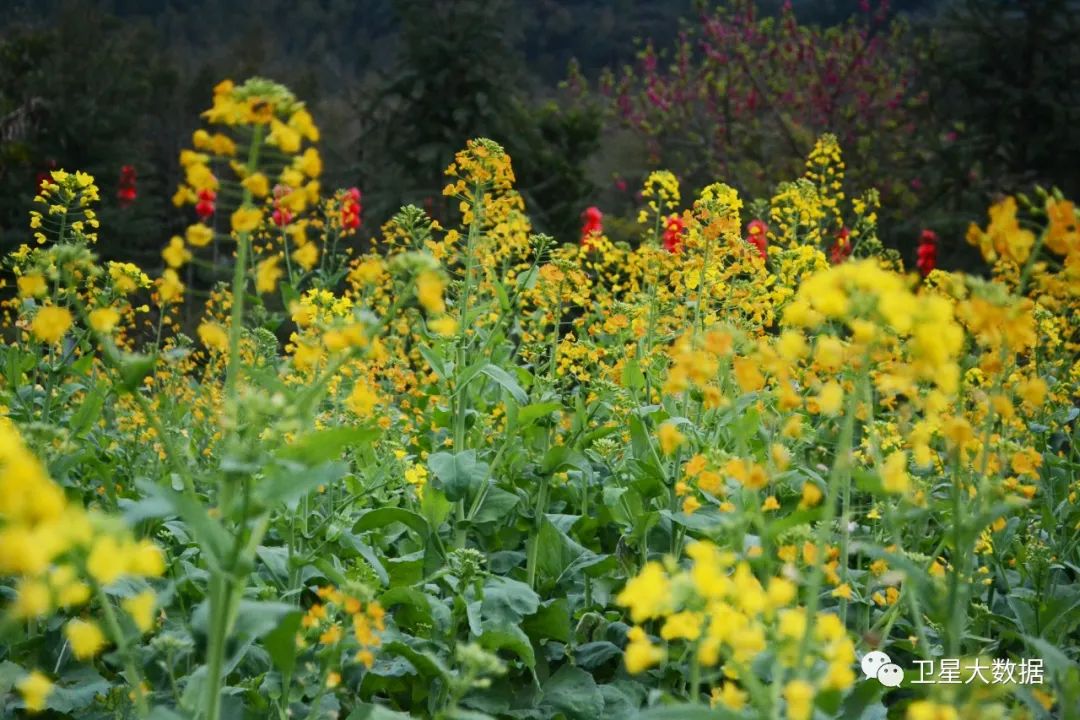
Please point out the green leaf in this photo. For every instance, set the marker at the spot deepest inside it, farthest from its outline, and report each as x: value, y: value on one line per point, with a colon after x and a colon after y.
x: 417, y: 605
x: 574, y: 693
x: 592, y: 655
x: 428, y: 664
x: 285, y: 485
x: 365, y: 711
x: 460, y: 474
x: 207, y: 531
x: 134, y: 367
x: 434, y: 361
x: 632, y: 377
x: 323, y: 445
x: 529, y: 414
x: 683, y: 712
x: 509, y: 637
x: 435, y: 507
x: 90, y: 410
x: 508, y: 383
x: 507, y: 600
x: 550, y: 622
x: 280, y: 642
x: 381, y: 517
x: 75, y: 691
x: 256, y: 619
x: 497, y: 505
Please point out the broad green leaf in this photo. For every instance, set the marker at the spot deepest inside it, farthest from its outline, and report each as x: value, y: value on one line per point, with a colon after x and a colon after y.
x: 89, y: 411
x: 280, y: 643
x: 507, y: 600
x: 497, y: 505
x: 573, y: 692
x: 509, y: 637
x: 508, y: 383
x: 459, y: 474
x: 529, y: 414
x: 381, y: 517
x: 323, y: 445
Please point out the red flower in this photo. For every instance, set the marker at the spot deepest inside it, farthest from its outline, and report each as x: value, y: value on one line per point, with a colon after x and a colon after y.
x: 592, y: 223
x: 126, y: 192
x: 841, y: 249
x: 281, y: 216
x: 351, y: 209
x: 674, y: 229
x: 926, y: 255
x: 205, y: 207
x: 756, y: 231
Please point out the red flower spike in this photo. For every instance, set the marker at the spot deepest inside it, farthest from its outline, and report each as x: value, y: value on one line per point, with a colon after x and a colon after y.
x: 757, y: 235
x: 674, y: 229
x: 926, y: 254
x: 592, y: 223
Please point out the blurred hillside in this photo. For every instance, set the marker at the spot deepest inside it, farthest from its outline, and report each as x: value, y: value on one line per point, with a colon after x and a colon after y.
x: 398, y: 85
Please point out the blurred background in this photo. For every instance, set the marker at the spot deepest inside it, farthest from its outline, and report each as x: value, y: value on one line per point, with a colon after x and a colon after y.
x: 940, y: 104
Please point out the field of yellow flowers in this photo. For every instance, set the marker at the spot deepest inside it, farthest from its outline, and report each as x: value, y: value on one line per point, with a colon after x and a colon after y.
x: 748, y: 468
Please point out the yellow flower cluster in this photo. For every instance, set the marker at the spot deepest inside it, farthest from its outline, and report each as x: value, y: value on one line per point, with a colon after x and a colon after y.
x: 718, y: 609
x: 335, y: 608
x: 44, y: 540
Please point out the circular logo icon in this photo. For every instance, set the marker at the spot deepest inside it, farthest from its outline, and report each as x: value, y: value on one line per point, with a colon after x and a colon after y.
x: 873, y: 661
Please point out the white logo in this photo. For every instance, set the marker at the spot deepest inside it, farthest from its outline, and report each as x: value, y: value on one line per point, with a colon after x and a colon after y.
x: 880, y: 666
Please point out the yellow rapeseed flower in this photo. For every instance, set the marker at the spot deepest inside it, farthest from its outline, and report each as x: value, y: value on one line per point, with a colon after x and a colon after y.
x: 669, y: 437
x: 213, y: 336
x: 246, y: 219
x: 35, y: 689
x: 51, y: 323
x: 104, y: 320
x: 85, y: 637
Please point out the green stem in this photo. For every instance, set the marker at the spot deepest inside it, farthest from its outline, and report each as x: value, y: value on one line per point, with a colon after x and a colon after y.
x: 129, y: 661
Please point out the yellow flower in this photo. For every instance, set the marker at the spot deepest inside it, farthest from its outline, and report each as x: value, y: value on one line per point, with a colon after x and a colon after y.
x: 302, y: 123
x: 429, y: 291
x: 35, y: 688
x: 730, y: 696
x: 444, y: 326
x: 310, y: 163
x: 246, y: 219
x: 198, y: 235
x: 929, y: 710
x: 51, y: 323
x: 32, y: 599
x: 175, y: 253
x: 682, y: 626
x: 104, y: 320
x: 829, y: 353
x: 669, y: 437
x: 284, y: 137
x: 842, y: 591
x: 894, y: 475
x: 256, y: 184
x: 267, y: 274
x: 213, y: 336
x: 362, y: 400
x: 106, y: 562
x: 799, y: 696
x: 648, y: 595
x: 831, y: 398
x: 811, y: 495
x: 32, y: 285
x: 640, y: 654
x: 169, y: 287
x: 306, y: 256
x: 85, y: 637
